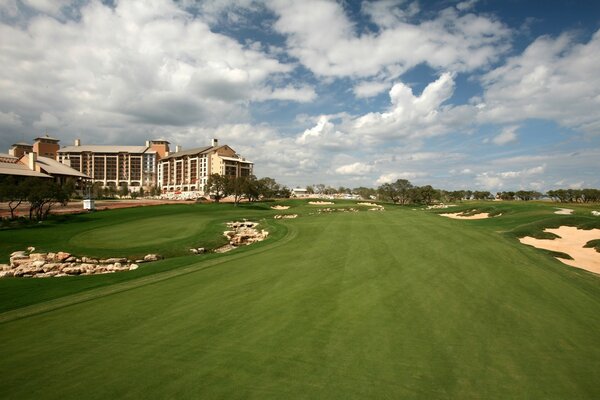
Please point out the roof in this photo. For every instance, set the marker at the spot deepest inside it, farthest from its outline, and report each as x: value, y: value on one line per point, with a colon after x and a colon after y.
x: 19, y: 169
x: 105, y: 149
x: 47, y: 138
x: 8, y: 156
x: 189, y: 152
x: 54, y: 167
x: 23, y: 144
x: 236, y: 160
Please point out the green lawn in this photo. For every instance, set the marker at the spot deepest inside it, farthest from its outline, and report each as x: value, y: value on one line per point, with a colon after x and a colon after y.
x: 394, y: 304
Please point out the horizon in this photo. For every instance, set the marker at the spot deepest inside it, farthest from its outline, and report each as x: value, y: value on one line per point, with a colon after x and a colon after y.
x: 475, y: 95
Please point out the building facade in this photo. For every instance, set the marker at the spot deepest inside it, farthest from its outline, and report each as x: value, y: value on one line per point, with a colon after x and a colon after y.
x: 188, y: 171
x: 117, y: 166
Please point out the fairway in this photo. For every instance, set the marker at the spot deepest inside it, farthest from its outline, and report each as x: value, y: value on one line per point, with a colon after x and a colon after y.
x: 396, y: 304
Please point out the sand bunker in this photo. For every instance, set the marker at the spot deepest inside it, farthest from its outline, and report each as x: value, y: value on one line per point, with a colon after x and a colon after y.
x: 596, y: 213
x: 368, y: 204
x: 286, y: 216
x: 319, y: 203
x: 435, y: 206
x: 462, y: 216
x: 280, y: 207
x: 564, y: 211
x: 571, y: 241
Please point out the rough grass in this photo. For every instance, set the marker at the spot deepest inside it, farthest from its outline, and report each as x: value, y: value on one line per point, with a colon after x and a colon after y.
x: 394, y: 304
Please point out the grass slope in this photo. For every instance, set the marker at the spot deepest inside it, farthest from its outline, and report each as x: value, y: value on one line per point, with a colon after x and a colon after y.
x: 398, y: 304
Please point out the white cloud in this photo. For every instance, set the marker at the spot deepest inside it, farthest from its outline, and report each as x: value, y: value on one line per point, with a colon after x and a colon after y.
x: 136, y: 67
x: 393, y: 176
x: 508, y: 134
x: 410, y: 115
x: 356, y: 168
x: 323, y: 38
x: 369, y: 88
x: 521, y: 178
x: 325, y: 134
x: 554, y: 78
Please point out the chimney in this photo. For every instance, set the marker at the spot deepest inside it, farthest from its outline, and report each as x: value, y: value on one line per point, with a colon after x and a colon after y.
x: 177, y: 148
x: 147, y: 143
x: 215, y: 142
x: 77, y: 142
x: 32, y: 160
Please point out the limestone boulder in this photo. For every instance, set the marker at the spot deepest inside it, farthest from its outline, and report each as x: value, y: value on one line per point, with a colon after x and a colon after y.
x: 152, y: 257
x: 61, y: 256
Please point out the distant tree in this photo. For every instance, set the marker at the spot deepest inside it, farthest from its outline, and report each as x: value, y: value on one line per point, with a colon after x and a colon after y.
x: 310, y: 189
x: 43, y: 195
x: 364, y: 192
x: 319, y: 188
x: 482, y: 195
x: 591, y: 195
x: 123, y: 189
x: 13, y: 192
x: 236, y: 187
x: 217, y: 186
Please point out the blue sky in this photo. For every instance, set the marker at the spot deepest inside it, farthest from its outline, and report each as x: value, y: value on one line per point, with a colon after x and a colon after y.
x: 494, y: 95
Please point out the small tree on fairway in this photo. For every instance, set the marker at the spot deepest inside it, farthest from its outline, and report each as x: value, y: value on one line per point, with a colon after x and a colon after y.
x: 217, y: 185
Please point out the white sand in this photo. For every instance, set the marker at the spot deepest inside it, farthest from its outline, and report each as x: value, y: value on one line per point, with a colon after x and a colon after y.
x: 461, y: 216
x: 280, y: 207
x: 318, y: 203
x: 596, y: 213
x: 368, y: 204
x: 564, y: 211
x: 571, y: 242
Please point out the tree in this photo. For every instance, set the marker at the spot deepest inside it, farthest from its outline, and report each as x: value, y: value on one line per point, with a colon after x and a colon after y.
x: 364, y: 192
x: 251, y: 188
x: 13, y: 192
x: 123, y: 189
x: 43, y: 195
x: 217, y: 186
x: 236, y: 187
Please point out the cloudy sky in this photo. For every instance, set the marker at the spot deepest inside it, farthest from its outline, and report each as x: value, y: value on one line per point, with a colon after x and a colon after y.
x: 488, y: 94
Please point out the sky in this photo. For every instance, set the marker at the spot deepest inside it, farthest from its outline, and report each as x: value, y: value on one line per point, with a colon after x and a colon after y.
x: 483, y: 95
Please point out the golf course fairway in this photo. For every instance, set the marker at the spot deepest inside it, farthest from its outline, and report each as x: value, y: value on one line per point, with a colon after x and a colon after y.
x: 398, y: 304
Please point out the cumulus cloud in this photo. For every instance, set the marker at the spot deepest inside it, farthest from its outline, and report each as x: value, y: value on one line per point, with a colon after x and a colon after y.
x: 554, y: 78
x: 498, y: 180
x: 137, y: 66
x: 324, y: 40
x: 508, y: 134
x: 357, y: 168
x: 410, y: 115
x: 393, y: 176
x: 367, y: 89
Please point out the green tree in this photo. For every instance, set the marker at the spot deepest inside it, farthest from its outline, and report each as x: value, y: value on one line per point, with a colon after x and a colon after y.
x: 217, y: 186
x: 13, y: 192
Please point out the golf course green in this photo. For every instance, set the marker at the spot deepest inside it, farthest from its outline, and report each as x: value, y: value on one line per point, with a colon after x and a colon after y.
x: 394, y: 304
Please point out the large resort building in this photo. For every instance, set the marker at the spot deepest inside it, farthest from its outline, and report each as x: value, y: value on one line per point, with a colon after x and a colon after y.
x: 117, y: 166
x: 138, y: 167
x: 188, y: 171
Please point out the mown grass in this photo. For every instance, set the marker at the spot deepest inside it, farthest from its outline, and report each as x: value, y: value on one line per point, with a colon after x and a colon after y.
x: 393, y: 304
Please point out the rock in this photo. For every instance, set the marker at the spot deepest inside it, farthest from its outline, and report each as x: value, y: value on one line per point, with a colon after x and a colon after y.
x: 140, y: 261
x: 30, y: 249
x: 152, y: 257
x: 201, y: 250
x: 6, y: 274
x: 195, y: 251
x: 38, y: 256
x: 88, y: 260
x: 114, y: 260
x: 133, y: 267
x: 38, y: 264
x: 18, y: 262
x: 71, y: 259
x: 61, y: 256
x: 18, y: 254
x: 5, y: 267
x: 53, y: 267
x: 50, y: 256
x: 117, y: 265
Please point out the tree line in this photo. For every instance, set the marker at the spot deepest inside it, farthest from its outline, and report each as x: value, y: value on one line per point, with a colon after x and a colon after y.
x: 403, y: 191
x: 248, y: 187
x: 40, y: 194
